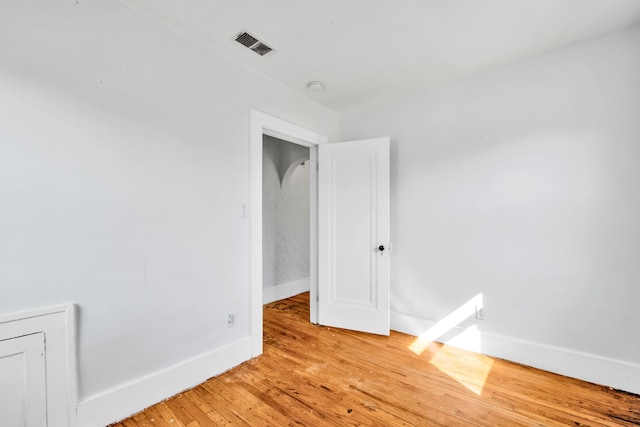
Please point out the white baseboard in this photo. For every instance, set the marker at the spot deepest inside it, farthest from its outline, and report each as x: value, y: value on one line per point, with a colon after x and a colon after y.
x: 596, y: 369
x: 285, y: 290
x: 122, y: 402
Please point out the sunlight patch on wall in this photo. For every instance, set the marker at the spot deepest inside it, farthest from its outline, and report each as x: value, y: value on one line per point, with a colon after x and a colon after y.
x: 447, y: 324
x: 470, y: 339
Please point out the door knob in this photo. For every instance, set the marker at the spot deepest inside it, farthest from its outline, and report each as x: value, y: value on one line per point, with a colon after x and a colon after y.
x: 381, y: 248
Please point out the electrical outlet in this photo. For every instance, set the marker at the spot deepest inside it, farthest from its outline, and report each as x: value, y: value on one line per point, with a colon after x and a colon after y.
x: 481, y: 313
x: 231, y: 320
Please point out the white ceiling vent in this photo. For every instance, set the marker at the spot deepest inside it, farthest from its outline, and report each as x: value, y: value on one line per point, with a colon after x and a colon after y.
x: 252, y: 42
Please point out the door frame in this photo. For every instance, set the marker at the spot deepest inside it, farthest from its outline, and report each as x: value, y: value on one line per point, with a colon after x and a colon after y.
x: 263, y: 124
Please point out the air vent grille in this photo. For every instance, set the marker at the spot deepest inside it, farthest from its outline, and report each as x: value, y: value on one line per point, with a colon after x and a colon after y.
x: 261, y: 49
x: 246, y: 39
x: 252, y: 42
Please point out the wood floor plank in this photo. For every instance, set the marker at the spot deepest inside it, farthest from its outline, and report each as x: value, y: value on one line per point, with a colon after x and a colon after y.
x: 200, y: 398
x: 168, y: 415
x: 317, y: 397
x: 317, y: 376
x: 141, y: 420
x: 155, y: 417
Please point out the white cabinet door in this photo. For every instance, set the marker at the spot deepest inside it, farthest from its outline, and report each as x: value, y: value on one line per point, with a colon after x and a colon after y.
x: 23, y: 382
x: 353, y: 235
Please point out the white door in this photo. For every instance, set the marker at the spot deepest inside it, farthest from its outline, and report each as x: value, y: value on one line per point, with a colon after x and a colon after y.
x: 353, y: 235
x: 22, y: 382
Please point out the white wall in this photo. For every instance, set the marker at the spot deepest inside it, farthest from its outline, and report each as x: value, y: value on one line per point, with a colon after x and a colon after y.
x: 523, y: 183
x: 285, y: 206
x: 123, y: 163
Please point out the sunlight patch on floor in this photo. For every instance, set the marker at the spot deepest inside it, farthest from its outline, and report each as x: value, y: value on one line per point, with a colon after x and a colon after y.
x: 473, y: 377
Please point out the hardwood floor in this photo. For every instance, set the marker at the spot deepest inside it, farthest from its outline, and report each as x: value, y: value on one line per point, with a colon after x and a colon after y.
x: 317, y: 376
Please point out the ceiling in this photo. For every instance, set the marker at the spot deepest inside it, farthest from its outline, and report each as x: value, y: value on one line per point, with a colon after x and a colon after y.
x: 368, y: 50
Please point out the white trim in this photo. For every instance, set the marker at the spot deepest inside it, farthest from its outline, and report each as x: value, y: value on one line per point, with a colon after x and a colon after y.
x: 58, y: 325
x: 285, y: 290
x: 313, y: 241
x: 618, y: 374
x: 262, y: 124
x: 119, y: 403
x: 27, y: 314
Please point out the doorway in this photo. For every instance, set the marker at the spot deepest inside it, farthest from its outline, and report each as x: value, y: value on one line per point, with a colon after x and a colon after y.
x: 262, y: 124
x: 286, y: 226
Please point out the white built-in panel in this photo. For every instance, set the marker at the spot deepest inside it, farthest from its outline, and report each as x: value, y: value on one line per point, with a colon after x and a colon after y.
x: 23, y: 401
x: 42, y: 342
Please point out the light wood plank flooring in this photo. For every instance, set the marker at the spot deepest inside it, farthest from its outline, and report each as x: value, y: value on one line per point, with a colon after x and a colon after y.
x: 317, y: 376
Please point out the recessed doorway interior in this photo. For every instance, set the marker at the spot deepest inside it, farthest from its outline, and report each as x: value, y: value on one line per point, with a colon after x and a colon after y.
x: 286, y: 223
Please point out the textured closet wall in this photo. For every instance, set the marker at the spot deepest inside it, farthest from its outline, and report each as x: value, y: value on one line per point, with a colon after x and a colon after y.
x: 285, y: 206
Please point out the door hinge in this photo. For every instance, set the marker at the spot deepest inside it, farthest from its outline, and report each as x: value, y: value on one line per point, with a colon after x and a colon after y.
x: 317, y: 166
